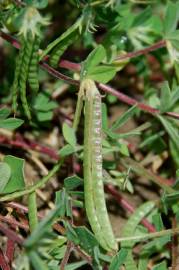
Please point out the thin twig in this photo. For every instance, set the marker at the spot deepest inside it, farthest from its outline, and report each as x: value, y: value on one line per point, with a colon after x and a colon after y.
x: 67, y: 255
x: 3, y: 263
x: 149, y: 235
x: 175, y: 247
x: 11, y: 234
x: 13, y: 222
x: 10, y: 248
x: 158, y: 45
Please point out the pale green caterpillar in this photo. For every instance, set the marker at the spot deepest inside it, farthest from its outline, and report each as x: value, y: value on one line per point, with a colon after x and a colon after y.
x: 93, y: 180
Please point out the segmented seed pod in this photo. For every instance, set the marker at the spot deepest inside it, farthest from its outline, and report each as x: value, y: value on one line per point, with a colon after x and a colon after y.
x: 61, y: 48
x: 24, y: 74
x: 93, y: 179
x: 34, y: 66
x: 15, y: 86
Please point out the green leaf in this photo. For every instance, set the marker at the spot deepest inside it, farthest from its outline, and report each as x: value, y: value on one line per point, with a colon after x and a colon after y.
x: 36, y: 261
x: 149, y: 140
x: 71, y: 233
x: 66, y: 150
x: 72, y: 182
x: 95, y: 57
x: 171, y: 130
x: 157, y: 220
x: 160, y: 266
x: 102, y: 74
x: 119, y: 259
x: 142, y: 17
x: 44, y: 116
x: 4, y: 113
x: 69, y: 134
x: 43, y: 103
x: 173, y: 37
x: 11, y: 123
x: 40, y: 4
x: 65, y: 36
x: 104, y: 117
x: 165, y: 102
x: 174, y: 150
x: 62, y: 199
x: 124, y: 118
x: 43, y: 227
x: 73, y: 266
x: 44, y: 107
x: 116, y: 136
x: 5, y: 173
x: 16, y: 181
x: 171, y: 18
x: 87, y: 241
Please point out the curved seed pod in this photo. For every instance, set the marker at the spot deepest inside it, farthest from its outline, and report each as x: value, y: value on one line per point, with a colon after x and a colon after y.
x: 24, y: 75
x: 61, y: 48
x: 15, y: 85
x: 34, y: 66
x: 129, y: 230
x: 93, y: 140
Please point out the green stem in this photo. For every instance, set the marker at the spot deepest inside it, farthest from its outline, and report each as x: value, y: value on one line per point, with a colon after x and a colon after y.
x: 33, y: 188
x: 32, y: 213
x: 78, y: 109
x: 140, y: 170
x: 148, y: 236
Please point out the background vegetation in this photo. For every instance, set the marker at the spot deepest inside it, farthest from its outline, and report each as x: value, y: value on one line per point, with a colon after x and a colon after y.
x: 130, y: 48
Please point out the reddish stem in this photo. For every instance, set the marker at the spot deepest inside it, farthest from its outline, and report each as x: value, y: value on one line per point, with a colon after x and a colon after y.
x: 73, y: 66
x: 10, y: 248
x: 13, y: 222
x: 11, y: 234
x: 3, y: 263
x: 154, y: 47
x: 66, y: 256
x: 29, y: 144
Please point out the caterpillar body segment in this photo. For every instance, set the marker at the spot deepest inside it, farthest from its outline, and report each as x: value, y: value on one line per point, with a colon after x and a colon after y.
x: 88, y: 181
x: 97, y: 174
x: 93, y: 180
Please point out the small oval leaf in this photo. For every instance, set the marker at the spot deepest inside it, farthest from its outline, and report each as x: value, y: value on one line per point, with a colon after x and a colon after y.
x: 5, y: 173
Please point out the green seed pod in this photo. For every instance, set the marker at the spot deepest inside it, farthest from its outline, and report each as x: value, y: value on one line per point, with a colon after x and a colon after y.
x: 34, y: 66
x: 24, y: 75
x: 15, y: 86
x: 61, y: 48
